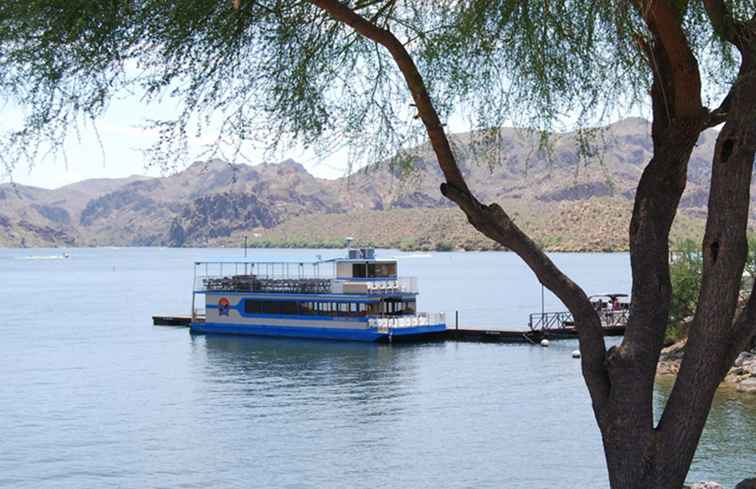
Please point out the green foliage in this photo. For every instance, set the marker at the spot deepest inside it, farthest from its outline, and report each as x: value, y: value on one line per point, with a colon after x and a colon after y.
x: 277, y: 73
x: 686, y: 272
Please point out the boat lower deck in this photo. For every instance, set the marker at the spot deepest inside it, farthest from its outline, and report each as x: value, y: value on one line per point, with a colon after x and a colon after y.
x: 490, y: 335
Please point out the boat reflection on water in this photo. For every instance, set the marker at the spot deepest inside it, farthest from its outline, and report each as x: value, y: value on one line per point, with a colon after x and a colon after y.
x: 298, y: 374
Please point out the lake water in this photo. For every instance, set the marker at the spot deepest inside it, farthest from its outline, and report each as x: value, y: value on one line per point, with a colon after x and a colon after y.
x: 93, y: 395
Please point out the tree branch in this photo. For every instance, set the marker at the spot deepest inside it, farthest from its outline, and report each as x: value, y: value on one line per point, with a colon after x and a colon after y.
x: 744, y: 330
x: 414, y: 81
x: 677, y: 122
x: 491, y: 220
x: 719, y: 115
x: 664, y: 20
x: 722, y: 21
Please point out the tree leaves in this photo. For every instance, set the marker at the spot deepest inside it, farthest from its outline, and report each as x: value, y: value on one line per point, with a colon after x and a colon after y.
x: 283, y: 73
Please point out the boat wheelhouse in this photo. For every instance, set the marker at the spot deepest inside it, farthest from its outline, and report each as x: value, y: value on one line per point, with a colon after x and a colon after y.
x: 359, y: 298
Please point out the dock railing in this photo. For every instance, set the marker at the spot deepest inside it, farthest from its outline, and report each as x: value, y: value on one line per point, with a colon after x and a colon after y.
x: 614, y: 319
x: 547, y: 321
x: 550, y: 320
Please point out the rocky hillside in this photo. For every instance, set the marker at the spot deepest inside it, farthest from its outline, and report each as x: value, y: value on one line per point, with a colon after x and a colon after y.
x: 568, y: 201
x: 595, y: 224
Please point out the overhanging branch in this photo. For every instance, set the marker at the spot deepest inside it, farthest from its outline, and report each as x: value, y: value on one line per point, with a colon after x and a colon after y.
x: 491, y: 220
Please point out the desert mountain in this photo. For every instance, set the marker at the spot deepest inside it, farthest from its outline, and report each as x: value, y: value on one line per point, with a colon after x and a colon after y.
x: 215, y: 202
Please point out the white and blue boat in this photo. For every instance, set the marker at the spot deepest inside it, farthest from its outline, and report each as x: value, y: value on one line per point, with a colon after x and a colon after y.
x: 357, y: 298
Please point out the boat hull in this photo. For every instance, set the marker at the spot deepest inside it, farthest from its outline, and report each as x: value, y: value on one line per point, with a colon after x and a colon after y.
x: 343, y: 334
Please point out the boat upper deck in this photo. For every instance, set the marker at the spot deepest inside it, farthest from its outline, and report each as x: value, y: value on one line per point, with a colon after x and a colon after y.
x: 360, y: 273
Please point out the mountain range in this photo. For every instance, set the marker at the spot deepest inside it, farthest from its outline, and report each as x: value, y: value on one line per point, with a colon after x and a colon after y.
x: 568, y: 195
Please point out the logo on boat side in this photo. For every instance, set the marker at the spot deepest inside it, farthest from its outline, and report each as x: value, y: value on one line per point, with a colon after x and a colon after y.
x: 223, y: 306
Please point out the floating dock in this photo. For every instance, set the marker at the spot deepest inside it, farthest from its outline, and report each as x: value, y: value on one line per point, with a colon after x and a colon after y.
x: 184, y: 321
x: 480, y: 335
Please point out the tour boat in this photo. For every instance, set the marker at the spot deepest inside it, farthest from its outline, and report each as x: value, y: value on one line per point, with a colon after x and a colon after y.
x: 358, y: 298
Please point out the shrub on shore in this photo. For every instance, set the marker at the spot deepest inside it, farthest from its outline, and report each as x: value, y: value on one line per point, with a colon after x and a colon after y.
x: 686, y: 270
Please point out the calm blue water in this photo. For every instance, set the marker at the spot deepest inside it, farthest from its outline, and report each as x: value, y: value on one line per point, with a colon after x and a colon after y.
x: 94, y: 396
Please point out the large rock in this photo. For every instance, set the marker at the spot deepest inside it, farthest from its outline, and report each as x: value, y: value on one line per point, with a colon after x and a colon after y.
x: 747, y: 385
x: 747, y: 484
x: 745, y: 357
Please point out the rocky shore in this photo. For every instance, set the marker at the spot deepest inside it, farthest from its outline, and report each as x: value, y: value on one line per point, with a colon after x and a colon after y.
x: 742, y: 375
x: 745, y: 484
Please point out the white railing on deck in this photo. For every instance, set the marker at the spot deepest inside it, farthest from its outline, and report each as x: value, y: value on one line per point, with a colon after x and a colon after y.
x: 375, y: 286
x: 421, y: 319
x: 252, y: 283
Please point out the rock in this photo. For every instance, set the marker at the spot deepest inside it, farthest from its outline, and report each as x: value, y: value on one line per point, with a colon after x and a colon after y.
x: 747, y: 484
x: 707, y: 485
x: 177, y: 234
x: 674, y: 352
x: 743, y: 358
x: 668, y: 367
x: 747, y: 385
x: 736, y: 371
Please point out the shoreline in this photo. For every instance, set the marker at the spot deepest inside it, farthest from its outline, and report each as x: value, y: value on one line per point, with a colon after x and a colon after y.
x: 741, y: 377
x: 314, y: 246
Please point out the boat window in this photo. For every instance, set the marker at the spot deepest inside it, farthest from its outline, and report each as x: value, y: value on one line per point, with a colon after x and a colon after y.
x: 305, y: 308
x: 396, y: 306
x: 360, y: 270
x: 382, y: 269
x: 373, y: 270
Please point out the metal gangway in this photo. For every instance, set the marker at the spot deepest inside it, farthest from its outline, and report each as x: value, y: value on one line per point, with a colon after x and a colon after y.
x: 563, y: 320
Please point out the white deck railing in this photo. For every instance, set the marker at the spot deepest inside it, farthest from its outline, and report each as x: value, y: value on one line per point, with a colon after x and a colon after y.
x: 374, y: 286
x: 420, y: 319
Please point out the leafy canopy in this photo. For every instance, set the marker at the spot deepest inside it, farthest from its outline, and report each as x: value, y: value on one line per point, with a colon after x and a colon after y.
x: 283, y: 72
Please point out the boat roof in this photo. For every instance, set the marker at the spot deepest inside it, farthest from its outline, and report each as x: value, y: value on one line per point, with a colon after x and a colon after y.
x: 250, y: 261
x: 611, y: 295
x: 363, y: 260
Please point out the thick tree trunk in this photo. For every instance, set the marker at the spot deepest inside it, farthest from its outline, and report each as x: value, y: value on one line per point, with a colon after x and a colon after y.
x: 715, y: 338
x: 630, y: 440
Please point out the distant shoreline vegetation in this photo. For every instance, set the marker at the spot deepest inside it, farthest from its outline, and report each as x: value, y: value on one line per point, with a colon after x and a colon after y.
x: 595, y: 225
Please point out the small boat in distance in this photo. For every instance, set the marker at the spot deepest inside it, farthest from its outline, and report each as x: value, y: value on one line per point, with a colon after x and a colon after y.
x: 357, y: 298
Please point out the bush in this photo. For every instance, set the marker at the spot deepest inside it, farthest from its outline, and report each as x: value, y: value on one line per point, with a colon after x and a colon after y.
x: 685, y: 273
x: 686, y: 269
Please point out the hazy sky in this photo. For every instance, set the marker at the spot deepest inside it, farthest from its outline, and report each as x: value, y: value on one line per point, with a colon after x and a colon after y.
x: 123, y: 138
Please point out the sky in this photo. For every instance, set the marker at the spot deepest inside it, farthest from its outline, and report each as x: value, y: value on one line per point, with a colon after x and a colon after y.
x: 124, y: 136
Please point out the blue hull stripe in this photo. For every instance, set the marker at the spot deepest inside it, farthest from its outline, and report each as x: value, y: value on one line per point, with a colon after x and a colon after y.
x: 302, y: 332
x: 431, y: 328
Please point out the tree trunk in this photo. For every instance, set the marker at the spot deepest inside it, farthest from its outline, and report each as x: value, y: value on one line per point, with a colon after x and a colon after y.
x: 621, y: 382
x: 715, y: 338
